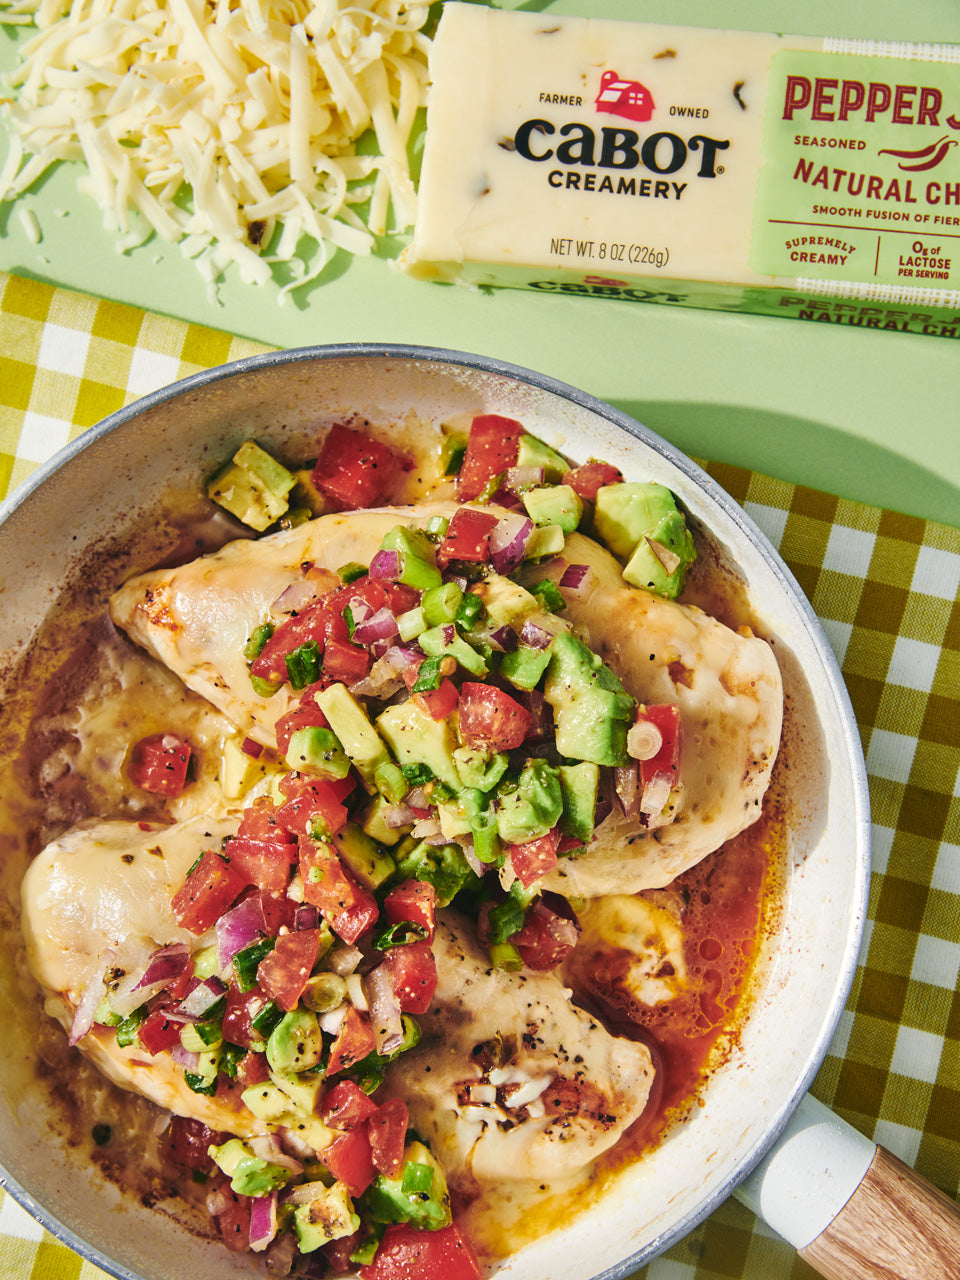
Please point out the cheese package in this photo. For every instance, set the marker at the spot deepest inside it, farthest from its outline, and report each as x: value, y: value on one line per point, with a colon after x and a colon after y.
x: 814, y: 178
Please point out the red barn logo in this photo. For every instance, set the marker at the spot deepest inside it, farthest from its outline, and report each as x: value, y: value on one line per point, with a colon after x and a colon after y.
x: 627, y: 98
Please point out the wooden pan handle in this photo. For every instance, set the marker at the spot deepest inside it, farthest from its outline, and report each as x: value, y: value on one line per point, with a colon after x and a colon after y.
x: 895, y: 1226
x: 851, y: 1209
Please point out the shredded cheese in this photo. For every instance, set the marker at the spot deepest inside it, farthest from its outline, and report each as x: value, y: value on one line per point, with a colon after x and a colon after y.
x: 228, y: 127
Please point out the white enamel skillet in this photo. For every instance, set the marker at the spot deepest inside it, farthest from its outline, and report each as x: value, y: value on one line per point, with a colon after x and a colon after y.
x: 852, y: 1211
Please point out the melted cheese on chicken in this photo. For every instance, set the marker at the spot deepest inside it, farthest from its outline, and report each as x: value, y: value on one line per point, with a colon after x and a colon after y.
x: 511, y: 1079
x: 197, y: 618
x: 85, y: 898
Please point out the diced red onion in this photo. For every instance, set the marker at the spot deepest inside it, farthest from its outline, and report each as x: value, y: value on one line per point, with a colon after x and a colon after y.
x: 263, y: 1221
x: 386, y: 565
x: 541, y: 722
x: 216, y: 1202
x: 655, y: 796
x: 132, y: 957
x: 164, y: 965
x: 184, y: 1058
x: 473, y: 862
x: 379, y: 626
x: 384, y: 1009
x: 85, y: 1011
x: 508, y: 541
x: 267, y: 1147
x: 202, y: 998
x: 360, y: 609
x: 418, y: 798
x: 517, y: 479
x: 250, y: 747
x: 238, y: 928
x: 426, y: 829
x: 344, y: 960
x: 576, y: 579
x: 458, y: 579
x: 306, y: 917
x: 299, y: 595
x: 398, y: 815
x: 535, y: 636
x: 627, y: 783
x: 503, y: 638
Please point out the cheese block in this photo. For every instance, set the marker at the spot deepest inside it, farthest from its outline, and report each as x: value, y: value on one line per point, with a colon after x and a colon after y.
x: 724, y: 169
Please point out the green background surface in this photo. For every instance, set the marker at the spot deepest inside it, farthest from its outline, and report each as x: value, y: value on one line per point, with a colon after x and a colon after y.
x: 867, y: 415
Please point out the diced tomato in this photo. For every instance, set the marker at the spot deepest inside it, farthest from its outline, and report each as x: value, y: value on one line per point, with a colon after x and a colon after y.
x: 283, y: 973
x: 350, y: 1161
x: 186, y: 1141
x: 549, y: 933
x: 440, y: 702
x: 316, y: 622
x: 279, y: 910
x: 666, y: 717
x: 467, y: 537
x: 237, y: 1025
x: 159, y: 764
x: 490, y: 719
x: 210, y: 888
x: 413, y: 900
x: 492, y: 447
x: 388, y: 1133
x: 407, y: 1253
x: 413, y: 973
x: 347, y: 907
x: 234, y: 1222
x: 264, y: 863
x: 158, y: 1032
x: 346, y: 1106
x: 345, y: 662
x: 585, y: 480
x: 534, y: 858
x: 253, y: 1068
x: 353, y: 1042
x: 376, y: 593
x: 305, y: 714
x: 354, y: 470
x: 314, y: 800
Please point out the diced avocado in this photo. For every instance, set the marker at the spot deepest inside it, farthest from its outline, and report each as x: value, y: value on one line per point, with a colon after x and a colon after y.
x: 660, y: 560
x: 303, y: 1090
x: 415, y: 737
x: 296, y: 1042
x: 363, y: 856
x: 477, y: 769
x: 557, y: 504
x: 443, y: 866
x: 239, y: 771
x: 249, y: 1174
x: 454, y: 821
x: 446, y: 641
x: 628, y: 511
x: 252, y: 486
x: 267, y: 1101
x: 592, y: 710
x: 507, y: 603
x: 327, y: 1216
x: 206, y: 962
x: 534, y: 452
x: 359, y: 739
x: 546, y: 540
x: 531, y: 806
x: 578, y: 786
x: 314, y: 749
x: 373, y: 821
x: 306, y: 494
x: 417, y: 557
x: 417, y: 1195
x: 524, y: 666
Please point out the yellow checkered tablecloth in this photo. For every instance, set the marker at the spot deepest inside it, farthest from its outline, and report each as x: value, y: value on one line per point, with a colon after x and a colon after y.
x: 885, y: 587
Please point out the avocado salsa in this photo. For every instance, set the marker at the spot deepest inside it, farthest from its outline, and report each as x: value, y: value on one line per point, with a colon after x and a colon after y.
x: 450, y: 741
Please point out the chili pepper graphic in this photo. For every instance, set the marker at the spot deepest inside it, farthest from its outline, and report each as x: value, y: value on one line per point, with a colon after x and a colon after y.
x: 926, y: 158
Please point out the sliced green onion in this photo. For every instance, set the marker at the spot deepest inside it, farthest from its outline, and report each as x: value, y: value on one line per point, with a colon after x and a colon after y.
x: 266, y: 1019
x: 399, y: 934
x: 129, y: 1026
x: 470, y: 611
x: 254, y: 646
x: 417, y: 774
x: 247, y: 961
x: 440, y: 604
x: 428, y: 675
x: 351, y: 571
x: 303, y: 664
x: 549, y: 595
x: 263, y: 688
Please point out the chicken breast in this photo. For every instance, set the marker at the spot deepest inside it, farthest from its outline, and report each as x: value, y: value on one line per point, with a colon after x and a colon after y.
x: 511, y: 1079
x: 197, y: 618
x: 92, y: 898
